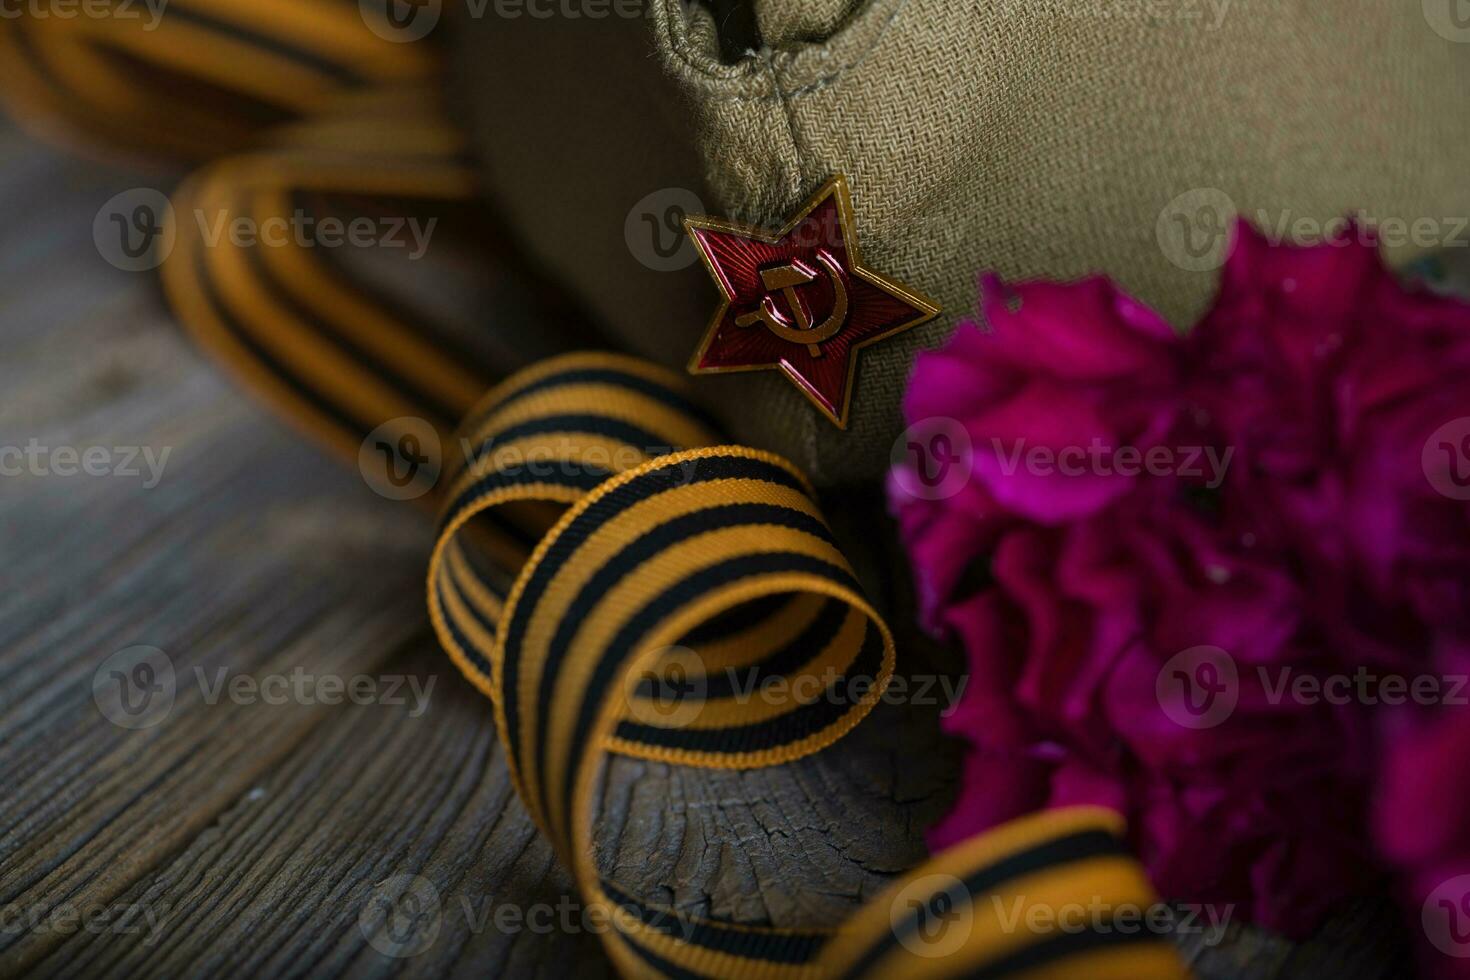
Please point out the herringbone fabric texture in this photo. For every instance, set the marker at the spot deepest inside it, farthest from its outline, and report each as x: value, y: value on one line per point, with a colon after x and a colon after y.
x: 1034, y: 138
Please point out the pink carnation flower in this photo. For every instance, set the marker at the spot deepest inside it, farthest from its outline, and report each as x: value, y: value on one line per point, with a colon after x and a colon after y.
x: 1148, y: 514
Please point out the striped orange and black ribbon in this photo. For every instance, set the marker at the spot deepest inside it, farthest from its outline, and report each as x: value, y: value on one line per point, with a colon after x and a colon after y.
x: 602, y: 560
x: 634, y: 577
x: 191, y: 79
x: 321, y: 342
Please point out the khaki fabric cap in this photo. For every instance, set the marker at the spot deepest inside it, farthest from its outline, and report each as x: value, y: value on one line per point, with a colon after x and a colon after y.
x: 1034, y: 138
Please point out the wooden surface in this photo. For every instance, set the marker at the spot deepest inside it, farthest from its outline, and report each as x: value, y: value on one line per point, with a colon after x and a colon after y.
x: 259, y: 839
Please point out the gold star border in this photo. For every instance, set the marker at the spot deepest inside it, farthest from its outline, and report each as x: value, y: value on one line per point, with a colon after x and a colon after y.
x: 836, y: 185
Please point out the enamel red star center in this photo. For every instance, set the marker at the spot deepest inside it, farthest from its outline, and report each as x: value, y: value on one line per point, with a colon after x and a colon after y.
x: 800, y: 300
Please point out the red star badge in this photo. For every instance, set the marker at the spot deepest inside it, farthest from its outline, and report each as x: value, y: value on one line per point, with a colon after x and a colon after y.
x: 800, y: 300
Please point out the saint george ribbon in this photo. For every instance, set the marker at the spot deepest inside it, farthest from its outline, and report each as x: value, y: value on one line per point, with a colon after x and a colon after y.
x: 602, y: 555
x: 610, y: 632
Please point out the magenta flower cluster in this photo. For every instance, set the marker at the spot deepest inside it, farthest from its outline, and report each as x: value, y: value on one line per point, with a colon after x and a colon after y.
x: 1316, y: 577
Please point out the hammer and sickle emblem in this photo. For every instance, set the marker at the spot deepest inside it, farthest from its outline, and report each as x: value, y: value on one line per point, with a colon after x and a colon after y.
x: 799, y: 329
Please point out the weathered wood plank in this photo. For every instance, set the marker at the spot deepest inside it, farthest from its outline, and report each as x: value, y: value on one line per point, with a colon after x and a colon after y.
x: 275, y: 839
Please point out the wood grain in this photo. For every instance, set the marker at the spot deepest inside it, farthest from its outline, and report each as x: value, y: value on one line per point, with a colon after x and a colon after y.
x: 294, y: 839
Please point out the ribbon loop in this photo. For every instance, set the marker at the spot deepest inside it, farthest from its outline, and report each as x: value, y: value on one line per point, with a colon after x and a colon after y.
x: 690, y: 605
x: 612, y: 577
